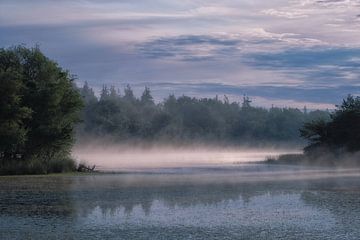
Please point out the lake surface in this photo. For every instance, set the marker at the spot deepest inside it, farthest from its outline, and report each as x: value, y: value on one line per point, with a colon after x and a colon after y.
x: 244, y: 201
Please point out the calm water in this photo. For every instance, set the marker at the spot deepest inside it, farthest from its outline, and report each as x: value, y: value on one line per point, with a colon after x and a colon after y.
x: 248, y: 201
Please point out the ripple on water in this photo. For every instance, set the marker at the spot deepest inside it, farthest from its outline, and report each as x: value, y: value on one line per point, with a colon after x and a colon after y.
x: 225, y: 204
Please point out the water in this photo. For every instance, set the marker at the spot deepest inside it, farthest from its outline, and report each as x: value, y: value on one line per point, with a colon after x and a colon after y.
x: 246, y: 201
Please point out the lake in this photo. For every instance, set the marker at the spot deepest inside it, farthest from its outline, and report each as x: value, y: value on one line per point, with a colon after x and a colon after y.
x: 238, y: 201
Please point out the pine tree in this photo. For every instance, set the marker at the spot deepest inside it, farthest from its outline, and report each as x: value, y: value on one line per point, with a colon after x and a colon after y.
x: 146, y: 97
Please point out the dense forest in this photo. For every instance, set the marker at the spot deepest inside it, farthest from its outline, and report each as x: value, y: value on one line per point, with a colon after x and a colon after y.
x: 124, y: 117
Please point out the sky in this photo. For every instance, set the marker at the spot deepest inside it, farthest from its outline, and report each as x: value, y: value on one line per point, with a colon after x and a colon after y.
x: 283, y: 53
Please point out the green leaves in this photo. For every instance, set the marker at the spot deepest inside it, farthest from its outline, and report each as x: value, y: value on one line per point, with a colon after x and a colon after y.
x: 39, y: 105
x: 341, y: 132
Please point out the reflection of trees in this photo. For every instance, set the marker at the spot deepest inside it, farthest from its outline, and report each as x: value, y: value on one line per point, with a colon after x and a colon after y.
x: 67, y: 196
x: 80, y: 195
x: 36, y: 196
x: 113, y: 193
x: 341, y: 197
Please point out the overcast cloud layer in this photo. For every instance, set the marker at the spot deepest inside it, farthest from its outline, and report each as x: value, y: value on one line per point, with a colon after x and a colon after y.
x: 287, y: 53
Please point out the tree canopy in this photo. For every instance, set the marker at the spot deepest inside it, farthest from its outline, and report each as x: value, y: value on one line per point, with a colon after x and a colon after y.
x: 340, y: 133
x: 39, y: 108
x: 125, y: 117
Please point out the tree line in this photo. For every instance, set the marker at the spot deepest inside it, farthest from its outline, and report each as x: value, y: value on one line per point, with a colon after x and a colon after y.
x: 41, y: 109
x: 125, y: 117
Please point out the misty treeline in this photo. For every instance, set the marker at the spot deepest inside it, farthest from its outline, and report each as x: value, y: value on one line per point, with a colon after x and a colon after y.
x: 124, y: 117
x: 39, y: 107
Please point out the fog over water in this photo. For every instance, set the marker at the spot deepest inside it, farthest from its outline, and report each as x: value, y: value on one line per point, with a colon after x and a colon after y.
x: 244, y: 201
x: 125, y: 157
x: 182, y: 192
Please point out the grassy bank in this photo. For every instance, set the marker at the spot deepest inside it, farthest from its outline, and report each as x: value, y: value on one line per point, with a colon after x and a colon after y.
x: 38, y: 166
x: 63, y: 174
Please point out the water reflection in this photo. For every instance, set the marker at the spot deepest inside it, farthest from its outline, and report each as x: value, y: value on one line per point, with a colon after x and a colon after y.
x: 36, y: 196
x: 254, y: 198
x: 340, y: 197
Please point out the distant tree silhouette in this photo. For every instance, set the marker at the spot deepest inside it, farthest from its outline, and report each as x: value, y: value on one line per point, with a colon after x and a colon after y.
x: 185, y: 119
x: 146, y: 97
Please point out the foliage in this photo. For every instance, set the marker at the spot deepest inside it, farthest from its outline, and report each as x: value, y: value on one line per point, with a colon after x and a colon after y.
x: 341, y: 133
x: 184, y: 119
x: 39, y: 107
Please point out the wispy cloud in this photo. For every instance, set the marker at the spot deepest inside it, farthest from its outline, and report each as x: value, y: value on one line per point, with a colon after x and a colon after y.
x: 291, y: 14
x: 190, y: 47
x: 316, y: 66
x: 222, y: 45
x: 298, y: 46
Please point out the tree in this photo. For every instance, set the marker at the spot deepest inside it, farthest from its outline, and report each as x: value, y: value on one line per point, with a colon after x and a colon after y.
x: 316, y: 132
x: 246, y: 102
x: 46, y: 103
x: 146, y: 97
x: 104, y: 93
x: 344, y: 127
x: 88, y: 94
x: 13, y: 133
x: 129, y: 94
x: 341, y: 132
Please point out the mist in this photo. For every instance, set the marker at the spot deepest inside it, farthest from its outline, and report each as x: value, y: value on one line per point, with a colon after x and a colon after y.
x: 122, y: 157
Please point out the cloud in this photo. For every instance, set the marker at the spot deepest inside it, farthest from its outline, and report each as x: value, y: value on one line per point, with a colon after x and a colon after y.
x: 221, y: 45
x: 292, y: 51
x: 316, y: 66
x: 189, y: 48
x: 49, y: 12
x: 284, y: 14
x: 335, y: 3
